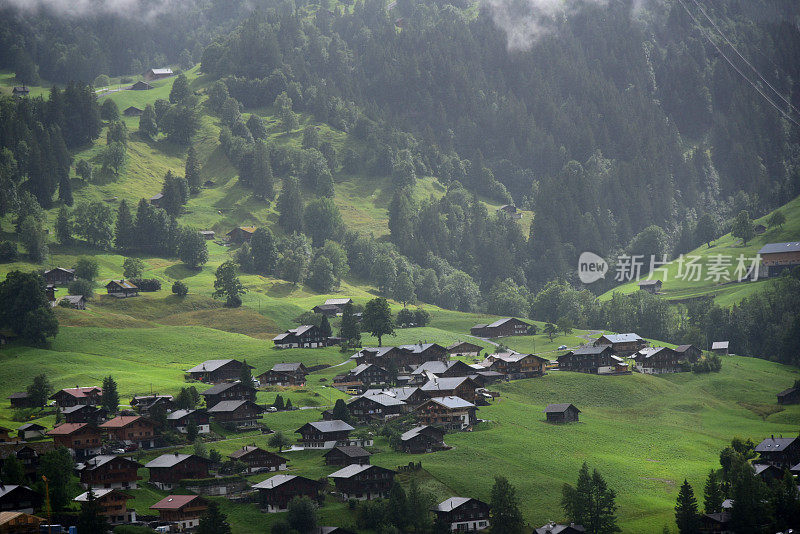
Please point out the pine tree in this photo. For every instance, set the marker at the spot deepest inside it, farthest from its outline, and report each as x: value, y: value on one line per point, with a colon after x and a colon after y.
x: 213, y: 521
x: 64, y: 226
x: 349, y: 329
x: 124, y: 230
x: 263, y: 251
x: 148, y: 127
x: 712, y: 494
x: 505, y: 513
x: 109, y: 399
x: 245, y: 376
x: 686, y: 515
x: 91, y: 518
x: 263, y: 182
x: 192, y: 171
x: 325, y: 327
x: 340, y: 411
x: 290, y: 206
x: 278, y: 404
x: 398, y: 506
x: 65, y: 189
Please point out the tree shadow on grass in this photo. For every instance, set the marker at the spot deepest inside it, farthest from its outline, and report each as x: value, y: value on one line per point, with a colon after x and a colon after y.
x: 181, y: 271
x: 281, y: 289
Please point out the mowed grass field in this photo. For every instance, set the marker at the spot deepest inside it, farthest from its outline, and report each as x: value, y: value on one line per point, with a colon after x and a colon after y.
x: 725, y: 292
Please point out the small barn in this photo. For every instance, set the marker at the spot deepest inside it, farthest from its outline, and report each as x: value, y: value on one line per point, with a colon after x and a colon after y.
x: 122, y: 289
x: 133, y: 111
x: 77, y: 302
x: 241, y: 234
x: 140, y: 86
x: 651, y: 286
x: 787, y: 396
x: 20, y: 90
x: 561, y: 413
x: 157, y: 74
x: 720, y: 347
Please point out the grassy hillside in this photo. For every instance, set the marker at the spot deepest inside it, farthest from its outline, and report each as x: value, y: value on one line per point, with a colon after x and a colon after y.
x: 725, y: 293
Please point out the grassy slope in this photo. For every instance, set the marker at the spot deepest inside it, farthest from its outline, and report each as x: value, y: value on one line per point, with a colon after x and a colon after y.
x: 725, y: 294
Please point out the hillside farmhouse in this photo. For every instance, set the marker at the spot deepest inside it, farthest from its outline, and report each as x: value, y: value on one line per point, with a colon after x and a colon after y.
x: 777, y: 257
x: 501, y: 328
x: 213, y: 371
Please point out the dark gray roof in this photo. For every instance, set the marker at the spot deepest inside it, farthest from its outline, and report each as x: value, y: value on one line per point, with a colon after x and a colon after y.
x: 414, y: 432
x: 179, y: 414
x: 19, y: 395
x: 589, y: 349
x: 209, y: 365
x: 683, y: 348
x: 274, y: 482
x: 219, y: 388
x: 353, y: 470
x: 452, y: 402
x: 383, y: 399
x: 774, y: 248
x: 30, y: 426
x: 169, y: 460
x: 5, y: 489
x: 443, y: 384
x: 286, y: 367
x: 451, y: 503
x: 558, y: 408
x: 553, y: 528
x: 100, y: 460
x: 336, y: 425
x: 773, y: 444
x: 228, y: 406
x: 351, y: 451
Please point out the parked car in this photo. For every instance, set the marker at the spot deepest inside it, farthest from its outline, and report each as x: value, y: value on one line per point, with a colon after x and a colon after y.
x: 132, y: 447
x: 272, y: 409
x: 562, y: 347
x: 118, y: 451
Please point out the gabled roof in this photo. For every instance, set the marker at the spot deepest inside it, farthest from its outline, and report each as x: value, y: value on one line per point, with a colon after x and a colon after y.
x: 73, y: 299
x: 278, y: 480
x: 99, y: 493
x: 219, y: 388
x: 355, y: 469
x: 451, y: 504
x: 382, y: 399
x: 401, y: 393
x: 250, y: 449
x: 684, y: 348
x: 101, y: 460
x: 420, y: 347
x: 416, y: 431
x: 553, y: 528
x: 79, y: 392
x: 460, y: 343
x: 451, y: 402
x: 559, y: 408
x: 179, y: 414
x: 161, y: 71
x: 377, y: 351
x: 231, y: 406
x: 720, y: 345
x: 351, y: 451
x: 124, y: 284
x: 775, y: 248
x: 5, y: 489
x: 589, y: 349
x: 19, y: 395
x: 174, y: 502
x: 171, y: 460
x: 335, y: 425
x: 649, y: 282
x: 121, y: 421
x: 30, y: 426
x: 622, y: 338
x: 65, y: 429
x: 338, y: 302
x: 287, y: 367
x: 444, y: 384
x: 358, y: 369
x: 773, y: 444
x: 436, y: 367
x: 62, y: 269
x: 212, y: 365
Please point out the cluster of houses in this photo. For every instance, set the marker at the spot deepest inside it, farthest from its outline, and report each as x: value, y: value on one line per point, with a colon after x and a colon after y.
x: 60, y: 276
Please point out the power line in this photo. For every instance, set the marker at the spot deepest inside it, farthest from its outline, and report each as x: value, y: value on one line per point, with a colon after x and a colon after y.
x: 703, y: 11
x: 736, y: 68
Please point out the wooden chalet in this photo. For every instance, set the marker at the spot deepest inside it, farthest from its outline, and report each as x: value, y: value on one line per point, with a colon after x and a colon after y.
x: 411, y: 396
x: 241, y: 234
x: 20, y: 523
x: 324, y: 434
x: 76, y: 302
x: 767, y: 472
x: 720, y: 347
x: 366, y: 374
x: 59, y: 276
x: 688, y: 353
x: 561, y: 413
x: 651, y: 286
x: 168, y: 470
x: 258, y: 460
x: 463, y: 387
x: 156, y: 200
x: 789, y: 396
x: 509, y: 210
x: 347, y: 455
x: 463, y: 514
x: 208, y: 235
x: 133, y: 111
x: 509, y: 326
x: 240, y: 414
x: 592, y: 359
x: 332, y: 307
x: 29, y: 431
x: 777, y: 257
x: 464, y: 348
x: 77, y: 395
x: 113, y: 505
x: 131, y: 429
x: 555, y: 528
x: 20, y: 91
x: 780, y: 452
x: 449, y: 413
x: 621, y: 344
x: 145, y: 404
x: 157, y: 74
x: 83, y: 438
x: 84, y: 413
x: 228, y: 391
x: 366, y: 409
x: 181, y: 419
x: 307, y: 336
x: 21, y: 399
x: 213, y: 371
x: 18, y: 498
x: 27, y: 453
x: 276, y: 492
x: 449, y: 369
x: 184, y: 510
x: 656, y: 361
x: 109, y: 471
x: 363, y: 482
x: 140, y: 86
x: 122, y: 289
x: 421, y: 439
x: 404, y: 356
x: 284, y: 374
x: 514, y: 365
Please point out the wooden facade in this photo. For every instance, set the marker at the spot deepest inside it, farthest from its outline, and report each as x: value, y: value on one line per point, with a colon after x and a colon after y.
x: 368, y: 408
x: 284, y: 374
x: 307, y: 336
x: 122, y: 289
x: 185, y: 510
x: 463, y: 387
x: 561, y: 413
x: 347, y: 455
x: 257, y: 459
x: 168, y: 470
x: 84, y: 439
x: 621, y: 344
x: 363, y: 482
x: 77, y: 396
x: 18, y: 498
x: 131, y: 429
x: 780, y: 452
x: 324, y: 434
x: 59, y: 276
x: 237, y: 413
x: 276, y: 492
x: 777, y: 257
x: 658, y: 361
x: 463, y: 514
x: 589, y: 359
x: 214, y: 371
x: 113, y: 505
x: 241, y: 234
x: 449, y: 413
x: 509, y: 326
x: 422, y: 439
x: 109, y: 471
x: 228, y: 391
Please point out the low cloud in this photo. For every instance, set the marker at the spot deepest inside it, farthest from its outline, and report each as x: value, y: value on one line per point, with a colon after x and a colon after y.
x: 143, y: 9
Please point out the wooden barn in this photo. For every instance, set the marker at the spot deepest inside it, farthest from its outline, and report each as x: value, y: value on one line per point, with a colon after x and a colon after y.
x: 509, y: 326
x: 561, y: 413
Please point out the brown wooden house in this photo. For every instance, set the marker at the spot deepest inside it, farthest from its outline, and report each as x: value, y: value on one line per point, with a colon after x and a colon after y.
x: 185, y: 510
x: 449, y: 369
x: 131, y: 429
x: 379, y: 407
x: 589, y: 359
x: 463, y: 514
x: 651, y: 286
x: 18, y: 498
x: 780, y: 452
x: 515, y: 366
x: 421, y: 439
x: 113, y: 505
x: 228, y: 391
x: 241, y: 234
x: 59, y: 276
x: 108, y: 471
x: 347, y: 455
x: 77, y: 396
x: 157, y: 74
x: 366, y: 374
x: 20, y: 523
x: 168, y: 470
x: 21, y: 399
x: 689, y: 353
x: 720, y: 347
x: 402, y: 357
x: 449, y: 413
x: 621, y: 344
x: 284, y: 374
x: 509, y: 326
x: 307, y: 336
x: 777, y: 257
x: 462, y: 386
x: 214, y: 371
x: 257, y: 459
x: 656, y: 361
x: 276, y: 492
x: 181, y: 419
x: 84, y: 439
x: 28, y: 431
x: 237, y: 413
x: 84, y: 413
x: 122, y: 289
x: 561, y: 413
x: 464, y: 348
x: 5, y: 434
x: 363, y: 482
x: 324, y: 434
x: 789, y: 396
x: 27, y: 453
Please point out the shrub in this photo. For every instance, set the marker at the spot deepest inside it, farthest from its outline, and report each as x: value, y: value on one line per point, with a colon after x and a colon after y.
x: 81, y: 287
x: 8, y: 251
x: 147, y: 284
x: 179, y: 288
x: 710, y: 363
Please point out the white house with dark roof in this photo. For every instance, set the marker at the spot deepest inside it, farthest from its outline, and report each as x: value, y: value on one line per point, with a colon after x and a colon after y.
x: 463, y: 514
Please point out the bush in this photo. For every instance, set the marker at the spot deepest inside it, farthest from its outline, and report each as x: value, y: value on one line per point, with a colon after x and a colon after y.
x: 147, y: 284
x: 81, y: 287
x: 405, y: 317
x: 421, y: 317
x: 710, y: 363
x: 8, y: 251
x: 179, y: 288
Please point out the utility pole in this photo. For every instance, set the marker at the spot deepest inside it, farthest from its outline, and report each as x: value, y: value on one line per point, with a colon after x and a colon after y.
x: 47, y: 504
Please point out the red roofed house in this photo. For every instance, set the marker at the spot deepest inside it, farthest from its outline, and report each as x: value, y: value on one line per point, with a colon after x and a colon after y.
x: 84, y: 439
x: 76, y: 396
x: 186, y: 510
x: 130, y: 429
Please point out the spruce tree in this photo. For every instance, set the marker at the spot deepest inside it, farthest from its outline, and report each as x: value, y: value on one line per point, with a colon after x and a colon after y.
x: 505, y: 513
x: 245, y: 376
x: 192, y: 171
x: 325, y: 327
x: 65, y: 189
x: 124, y: 229
x: 686, y: 515
x: 109, y: 399
x: 91, y: 518
x: 64, y: 226
x: 349, y: 329
x: 290, y: 206
x: 213, y: 521
x: 340, y: 410
x: 712, y: 494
